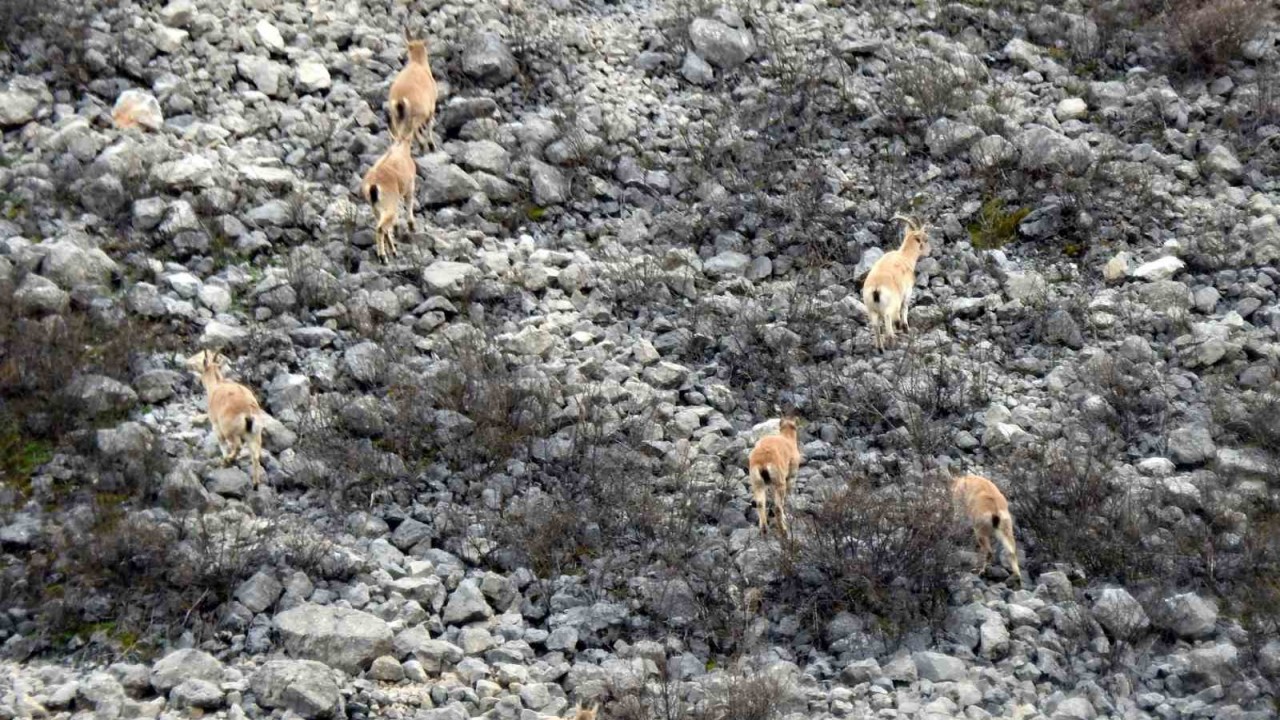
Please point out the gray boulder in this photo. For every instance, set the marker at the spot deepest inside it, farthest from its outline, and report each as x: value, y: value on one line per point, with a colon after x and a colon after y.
x: 948, y: 138
x: 992, y: 152
x: 1212, y: 665
x: 443, y: 182
x: 550, y: 187
x: 448, y: 278
x: 466, y: 604
x: 1160, y: 269
x: 727, y: 264
x: 696, y: 70
x: 1221, y: 161
x: 723, y: 46
x: 196, y: 693
x: 99, y: 395
x: 71, y: 265
x: 1191, y: 445
x: 20, y: 101
x: 104, y: 693
x: 938, y: 667
x: 259, y: 592
x: 181, y: 665
x: 365, y: 362
x: 1117, y: 611
x: 488, y: 60
x: 339, y: 637
x: 191, y: 172
x: 1188, y: 615
x: 1044, y: 149
x: 263, y: 73
x: 301, y: 686
x: 39, y: 296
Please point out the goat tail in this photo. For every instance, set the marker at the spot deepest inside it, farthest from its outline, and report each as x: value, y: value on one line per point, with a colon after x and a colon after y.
x: 875, y: 296
x: 399, y: 111
x: 764, y: 474
x: 995, y: 520
x: 248, y: 424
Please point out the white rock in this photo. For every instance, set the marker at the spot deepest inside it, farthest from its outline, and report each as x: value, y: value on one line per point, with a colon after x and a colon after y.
x: 269, y: 36
x: 313, y: 76
x: 137, y: 108
x: 1070, y: 109
x: 1163, y: 269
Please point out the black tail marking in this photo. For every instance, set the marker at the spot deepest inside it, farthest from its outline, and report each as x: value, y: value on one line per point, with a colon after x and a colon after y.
x: 764, y: 476
x: 398, y: 111
x: 248, y: 424
x: 875, y: 296
x: 373, y: 195
x: 995, y: 520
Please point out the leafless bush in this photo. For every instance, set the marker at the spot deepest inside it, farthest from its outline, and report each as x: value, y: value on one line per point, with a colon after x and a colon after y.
x: 39, y: 358
x: 1251, y: 416
x: 141, y: 579
x: 885, y: 551
x: 1067, y: 508
x: 1136, y: 392
x: 351, y: 469
x: 502, y: 407
x: 738, y: 695
x: 924, y: 395
x: 924, y: 87
x: 1205, y: 34
x: 593, y: 492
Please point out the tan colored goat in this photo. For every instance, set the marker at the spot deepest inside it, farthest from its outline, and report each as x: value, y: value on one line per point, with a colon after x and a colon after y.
x: 988, y: 511
x: 581, y: 713
x: 773, y: 465
x: 234, y: 412
x: 391, y: 181
x: 887, y: 290
x: 412, y: 103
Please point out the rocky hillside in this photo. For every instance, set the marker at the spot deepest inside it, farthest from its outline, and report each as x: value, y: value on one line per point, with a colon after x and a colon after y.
x: 506, y: 472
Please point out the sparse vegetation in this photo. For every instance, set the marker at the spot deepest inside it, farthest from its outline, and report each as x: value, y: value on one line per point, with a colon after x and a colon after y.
x: 1071, y: 508
x: 742, y: 695
x: 1206, y: 34
x: 886, y: 551
x: 925, y: 87
x: 1200, y: 35
x: 994, y: 226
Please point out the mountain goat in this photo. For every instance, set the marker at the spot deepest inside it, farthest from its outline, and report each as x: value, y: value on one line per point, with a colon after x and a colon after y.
x: 412, y: 103
x: 391, y: 182
x: 887, y: 290
x: 234, y: 412
x: 773, y: 465
x: 988, y: 512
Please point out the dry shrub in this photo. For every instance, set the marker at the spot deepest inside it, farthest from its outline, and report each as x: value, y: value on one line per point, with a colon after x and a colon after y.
x: 924, y: 87
x: 506, y: 408
x: 346, y: 468
x: 143, y: 577
x: 1136, y: 391
x: 63, y: 28
x: 1252, y: 416
x: 593, y: 493
x: 1206, y: 34
x: 736, y: 695
x: 1067, y: 509
x: 914, y: 406
x: 885, y: 551
x: 39, y: 358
